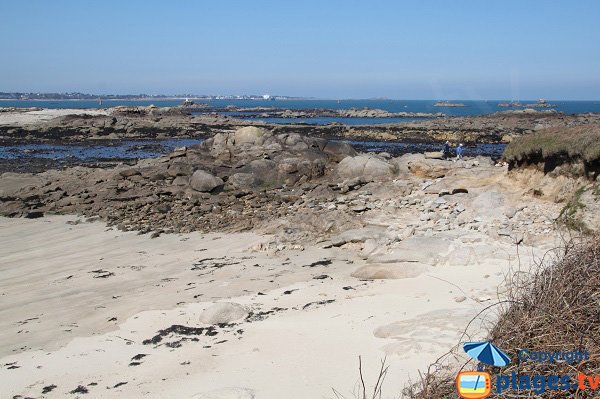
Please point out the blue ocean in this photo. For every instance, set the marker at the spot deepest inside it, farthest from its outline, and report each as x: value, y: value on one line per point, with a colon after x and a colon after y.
x: 470, y: 108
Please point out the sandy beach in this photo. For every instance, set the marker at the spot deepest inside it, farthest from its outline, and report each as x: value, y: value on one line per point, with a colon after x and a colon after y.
x: 79, y: 300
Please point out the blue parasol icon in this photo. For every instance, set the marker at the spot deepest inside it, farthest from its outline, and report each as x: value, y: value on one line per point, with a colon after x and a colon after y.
x: 487, y: 353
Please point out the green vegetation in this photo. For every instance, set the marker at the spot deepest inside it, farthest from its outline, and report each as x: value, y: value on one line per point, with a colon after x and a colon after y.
x: 570, y: 216
x: 268, y: 184
x: 577, y: 142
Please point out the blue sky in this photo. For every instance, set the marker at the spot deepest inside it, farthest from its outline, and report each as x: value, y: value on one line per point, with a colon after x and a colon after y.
x: 461, y: 49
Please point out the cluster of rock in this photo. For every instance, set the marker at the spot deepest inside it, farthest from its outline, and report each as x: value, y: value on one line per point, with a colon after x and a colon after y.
x: 231, y: 181
x: 448, y: 104
x: 265, y: 112
x: 379, y: 113
x: 250, y: 178
x: 405, y: 224
x: 113, y: 123
x: 498, y: 127
x: 296, y: 186
x: 410, y: 225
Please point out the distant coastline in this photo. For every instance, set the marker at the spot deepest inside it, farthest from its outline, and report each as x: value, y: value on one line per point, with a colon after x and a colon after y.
x: 30, y: 96
x: 21, y: 96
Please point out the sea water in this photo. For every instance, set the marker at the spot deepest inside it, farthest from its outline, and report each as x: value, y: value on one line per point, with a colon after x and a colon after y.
x: 427, y: 106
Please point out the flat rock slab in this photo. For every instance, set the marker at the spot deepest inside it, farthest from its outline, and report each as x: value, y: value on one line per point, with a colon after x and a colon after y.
x: 390, y: 271
x: 425, y: 250
x: 355, y: 235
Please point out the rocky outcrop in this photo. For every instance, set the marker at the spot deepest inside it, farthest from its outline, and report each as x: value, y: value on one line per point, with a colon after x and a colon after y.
x: 448, y: 104
x: 114, y: 123
x: 223, y: 184
x: 285, y: 183
x: 429, y: 168
x: 367, y: 167
x: 235, y: 180
x: 248, y: 135
x: 15, y: 184
x: 263, y: 159
x: 337, y: 150
x: 204, y: 182
x: 270, y: 112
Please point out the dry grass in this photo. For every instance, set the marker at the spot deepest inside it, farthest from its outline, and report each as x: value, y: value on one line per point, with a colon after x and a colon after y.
x: 361, y: 391
x: 577, y: 142
x: 555, y: 307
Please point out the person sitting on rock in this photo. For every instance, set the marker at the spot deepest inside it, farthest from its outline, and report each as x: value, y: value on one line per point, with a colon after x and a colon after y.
x: 459, y: 151
x: 447, y: 150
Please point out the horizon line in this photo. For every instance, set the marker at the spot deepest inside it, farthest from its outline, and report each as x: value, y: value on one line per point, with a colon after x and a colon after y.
x: 254, y: 97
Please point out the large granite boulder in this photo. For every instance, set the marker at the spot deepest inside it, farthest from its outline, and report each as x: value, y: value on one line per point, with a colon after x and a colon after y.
x: 264, y: 171
x: 430, y: 168
x: 322, y: 193
x: 337, y: 150
x: 204, y: 182
x: 241, y: 180
x: 366, y: 166
x: 289, y: 165
x: 248, y: 135
x: 219, y: 140
x: 179, y: 169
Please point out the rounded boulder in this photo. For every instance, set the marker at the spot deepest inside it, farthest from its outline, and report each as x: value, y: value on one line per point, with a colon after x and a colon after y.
x: 248, y: 135
x: 367, y: 167
x: 204, y: 182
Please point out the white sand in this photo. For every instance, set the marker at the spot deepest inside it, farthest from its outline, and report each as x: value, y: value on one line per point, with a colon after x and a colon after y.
x: 25, y: 117
x: 57, y: 329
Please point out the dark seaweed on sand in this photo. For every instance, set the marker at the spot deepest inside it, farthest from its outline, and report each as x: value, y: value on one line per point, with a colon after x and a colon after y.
x: 324, y: 262
x: 178, y: 329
